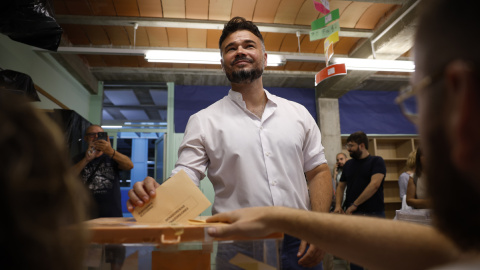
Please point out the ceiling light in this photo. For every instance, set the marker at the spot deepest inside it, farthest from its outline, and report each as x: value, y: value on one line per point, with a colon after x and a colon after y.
x: 199, y: 57
x: 375, y: 64
x: 111, y: 127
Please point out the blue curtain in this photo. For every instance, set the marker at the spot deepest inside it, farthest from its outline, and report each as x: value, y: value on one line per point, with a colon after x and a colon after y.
x: 190, y: 99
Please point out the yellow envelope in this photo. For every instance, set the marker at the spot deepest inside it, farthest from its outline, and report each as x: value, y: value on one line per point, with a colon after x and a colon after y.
x: 178, y: 199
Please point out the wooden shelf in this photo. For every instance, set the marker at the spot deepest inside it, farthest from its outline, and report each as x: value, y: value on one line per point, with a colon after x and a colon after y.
x: 392, y: 200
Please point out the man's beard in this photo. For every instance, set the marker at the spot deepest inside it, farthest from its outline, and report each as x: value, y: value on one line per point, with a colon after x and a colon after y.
x: 454, y: 194
x: 244, y: 76
x: 356, y: 154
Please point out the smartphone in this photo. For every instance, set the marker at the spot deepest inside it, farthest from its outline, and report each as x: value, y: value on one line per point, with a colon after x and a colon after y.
x: 102, y: 136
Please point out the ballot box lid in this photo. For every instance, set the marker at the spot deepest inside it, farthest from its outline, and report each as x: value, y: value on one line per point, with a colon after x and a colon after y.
x: 128, y: 230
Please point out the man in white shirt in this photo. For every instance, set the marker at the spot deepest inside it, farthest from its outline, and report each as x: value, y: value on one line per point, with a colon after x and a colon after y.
x: 259, y: 149
x: 446, y: 85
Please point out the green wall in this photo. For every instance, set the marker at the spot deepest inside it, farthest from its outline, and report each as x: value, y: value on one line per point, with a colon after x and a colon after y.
x: 47, y: 74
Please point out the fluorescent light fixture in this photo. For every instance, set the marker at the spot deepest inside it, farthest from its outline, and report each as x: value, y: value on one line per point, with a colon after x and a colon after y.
x: 375, y: 64
x: 199, y: 57
x: 110, y: 127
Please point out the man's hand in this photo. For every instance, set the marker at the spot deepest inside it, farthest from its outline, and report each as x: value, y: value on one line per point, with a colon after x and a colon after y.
x: 338, y: 210
x: 248, y: 222
x: 141, y: 193
x: 352, y: 208
x: 312, y: 257
x: 103, y: 146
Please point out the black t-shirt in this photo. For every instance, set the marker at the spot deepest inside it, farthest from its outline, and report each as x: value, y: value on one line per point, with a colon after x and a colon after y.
x: 357, y: 173
x: 104, y: 186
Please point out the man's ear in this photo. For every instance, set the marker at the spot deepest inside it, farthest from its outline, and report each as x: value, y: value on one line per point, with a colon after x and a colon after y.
x: 463, y: 112
x: 221, y: 64
x: 265, y: 62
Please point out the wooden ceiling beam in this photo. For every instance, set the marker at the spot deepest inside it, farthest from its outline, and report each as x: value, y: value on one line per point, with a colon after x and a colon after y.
x: 196, y: 24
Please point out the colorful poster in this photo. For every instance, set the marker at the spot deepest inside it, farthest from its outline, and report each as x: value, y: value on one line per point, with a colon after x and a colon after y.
x: 330, y: 40
x: 330, y: 71
x: 324, y: 32
x: 328, y: 53
x: 323, y: 6
x: 325, y: 20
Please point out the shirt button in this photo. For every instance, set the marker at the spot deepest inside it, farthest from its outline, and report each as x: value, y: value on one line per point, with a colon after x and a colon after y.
x: 261, y: 127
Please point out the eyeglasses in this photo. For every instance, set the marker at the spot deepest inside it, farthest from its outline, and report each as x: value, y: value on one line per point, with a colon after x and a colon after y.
x: 406, y: 98
x: 91, y: 135
x: 349, y: 145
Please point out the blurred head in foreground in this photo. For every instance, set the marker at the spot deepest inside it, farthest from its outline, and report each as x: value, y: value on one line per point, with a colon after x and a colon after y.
x: 43, y: 203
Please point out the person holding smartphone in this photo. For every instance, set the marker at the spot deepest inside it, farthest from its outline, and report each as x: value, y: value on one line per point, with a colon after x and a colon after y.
x: 99, y: 168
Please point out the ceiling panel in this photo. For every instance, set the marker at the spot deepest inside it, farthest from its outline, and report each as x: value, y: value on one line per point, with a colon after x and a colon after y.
x: 173, y: 9
x: 273, y: 41
x: 372, y: 16
x: 213, y: 36
x: 78, y: 7
x: 352, y: 14
x: 307, y: 14
x: 293, y: 65
x: 126, y: 8
x: 129, y: 61
x: 102, y: 7
x: 220, y: 10
x: 96, y: 34
x: 341, y: 6
x: 150, y: 8
x: 308, y: 66
x: 159, y: 97
x: 290, y: 43
x: 112, y: 60
x: 308, y: 46
x: 287, y: 11
x: 345, y: 45
x: 140, y: 38
x: 196, y: 9
x: 94, y: 60
x: 135, y: 115
x: 76, y: 34
x: 265, y: 11
x: 177, y: 37
x: 243, y: 8
x: 122, y: 97
x: 197, y: 38
x: 157, y: 36
x: 106, y: 115
x: 117, y: 35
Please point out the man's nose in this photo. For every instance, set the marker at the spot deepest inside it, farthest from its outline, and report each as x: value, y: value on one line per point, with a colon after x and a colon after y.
x: 240, y: 51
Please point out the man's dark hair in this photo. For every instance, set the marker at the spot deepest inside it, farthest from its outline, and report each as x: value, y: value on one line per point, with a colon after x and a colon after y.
x: 418, y: 162
x: 237, y: 24
x: 358, y: 137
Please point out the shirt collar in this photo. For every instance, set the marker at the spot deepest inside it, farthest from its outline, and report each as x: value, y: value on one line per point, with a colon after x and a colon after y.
x: 238, y: 98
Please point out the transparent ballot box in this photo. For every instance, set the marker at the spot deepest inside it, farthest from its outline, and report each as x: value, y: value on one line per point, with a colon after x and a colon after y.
x: 123, y: 243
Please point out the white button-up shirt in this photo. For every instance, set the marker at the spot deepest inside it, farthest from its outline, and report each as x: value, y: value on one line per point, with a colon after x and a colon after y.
x: 252, y: 161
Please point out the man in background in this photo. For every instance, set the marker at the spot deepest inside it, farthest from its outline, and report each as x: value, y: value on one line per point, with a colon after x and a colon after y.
x: 99, y: 169
x: 363, y: 177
